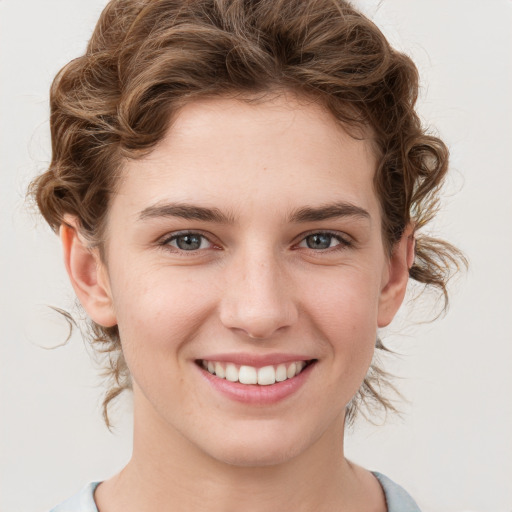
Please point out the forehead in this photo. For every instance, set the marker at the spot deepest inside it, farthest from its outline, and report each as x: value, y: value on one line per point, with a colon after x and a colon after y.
x: 273, y: 153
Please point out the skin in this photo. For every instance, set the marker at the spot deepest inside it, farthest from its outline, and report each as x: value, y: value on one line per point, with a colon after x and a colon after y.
x: 255, y: 286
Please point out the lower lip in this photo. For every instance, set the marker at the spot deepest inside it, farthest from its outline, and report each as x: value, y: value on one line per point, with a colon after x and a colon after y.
x: 254, y: 393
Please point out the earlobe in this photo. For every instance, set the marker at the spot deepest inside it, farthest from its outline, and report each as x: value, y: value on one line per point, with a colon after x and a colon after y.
x: 393, y: 291
x: 87, y: 274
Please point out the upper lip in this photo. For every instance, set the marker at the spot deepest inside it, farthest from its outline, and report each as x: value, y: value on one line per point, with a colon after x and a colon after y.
x: 256, y: 360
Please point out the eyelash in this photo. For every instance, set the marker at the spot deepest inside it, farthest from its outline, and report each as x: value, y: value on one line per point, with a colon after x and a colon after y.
x: 344, y: 241
x: 166, y: 241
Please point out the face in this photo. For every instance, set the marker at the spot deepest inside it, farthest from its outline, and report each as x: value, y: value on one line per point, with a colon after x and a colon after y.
x: 246, y: 271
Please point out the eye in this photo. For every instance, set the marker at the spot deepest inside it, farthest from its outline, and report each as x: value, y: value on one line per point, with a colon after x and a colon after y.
x: 323, y: 241
x: 188, y: 241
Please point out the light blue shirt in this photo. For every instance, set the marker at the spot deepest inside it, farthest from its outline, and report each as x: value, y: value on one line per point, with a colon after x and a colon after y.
x: 397, y: 498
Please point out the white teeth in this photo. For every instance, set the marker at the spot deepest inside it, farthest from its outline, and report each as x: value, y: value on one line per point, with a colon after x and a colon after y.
x: 219, y: 371
x: 264, y: 376
x: 231, y: 373
x: 281, y: 373
x: 248, y: 375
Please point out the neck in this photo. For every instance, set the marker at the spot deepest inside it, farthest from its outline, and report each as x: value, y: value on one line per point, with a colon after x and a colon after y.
x: 166, y: 469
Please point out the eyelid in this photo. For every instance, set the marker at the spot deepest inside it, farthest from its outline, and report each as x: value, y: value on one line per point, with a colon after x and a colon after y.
x: 165, y: 240
x: 343, y: 238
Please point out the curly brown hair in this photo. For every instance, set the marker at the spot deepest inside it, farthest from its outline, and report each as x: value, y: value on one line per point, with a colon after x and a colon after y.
x: 148, y: 58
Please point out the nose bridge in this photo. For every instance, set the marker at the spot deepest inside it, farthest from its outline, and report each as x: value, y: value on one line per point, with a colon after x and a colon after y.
x: 258, y: 297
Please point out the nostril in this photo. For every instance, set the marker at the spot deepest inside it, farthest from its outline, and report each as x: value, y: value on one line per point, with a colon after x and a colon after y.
x: 258, y: 306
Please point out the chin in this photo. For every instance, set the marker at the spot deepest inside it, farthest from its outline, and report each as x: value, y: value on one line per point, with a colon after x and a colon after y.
x: 248, y: 457
x: 260, y: 447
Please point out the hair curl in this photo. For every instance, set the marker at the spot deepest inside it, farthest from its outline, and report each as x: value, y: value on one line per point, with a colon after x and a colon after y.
x: 148, y: 58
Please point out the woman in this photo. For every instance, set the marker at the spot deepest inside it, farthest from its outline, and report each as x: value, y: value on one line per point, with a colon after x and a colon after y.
x: 239, y: 188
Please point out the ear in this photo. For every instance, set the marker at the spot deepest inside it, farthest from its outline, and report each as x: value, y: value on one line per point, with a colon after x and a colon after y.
x: 393, y: 290
x: 87, y: 273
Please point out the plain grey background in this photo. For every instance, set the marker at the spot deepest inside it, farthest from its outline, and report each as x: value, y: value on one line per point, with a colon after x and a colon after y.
x: 453, y: 448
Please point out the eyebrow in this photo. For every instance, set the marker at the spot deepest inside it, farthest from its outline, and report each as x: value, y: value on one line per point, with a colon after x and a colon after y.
x: 186, y: 211
x: 328, y: 211
x: 300, y: 215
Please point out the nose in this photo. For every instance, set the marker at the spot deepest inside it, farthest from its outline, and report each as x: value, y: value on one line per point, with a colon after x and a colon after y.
x: 258, y: 298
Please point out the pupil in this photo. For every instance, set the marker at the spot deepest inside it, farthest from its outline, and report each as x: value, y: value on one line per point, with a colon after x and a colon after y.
x: 188, y: 242
x: 319, y: 241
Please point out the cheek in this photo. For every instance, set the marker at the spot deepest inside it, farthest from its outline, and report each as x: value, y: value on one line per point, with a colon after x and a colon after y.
x: 158, y: 312
x: 344, y: 311
x: 346, y: 301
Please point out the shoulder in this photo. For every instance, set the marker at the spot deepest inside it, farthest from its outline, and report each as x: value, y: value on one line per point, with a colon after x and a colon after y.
x: 397, y: 499
x: 83, y: 501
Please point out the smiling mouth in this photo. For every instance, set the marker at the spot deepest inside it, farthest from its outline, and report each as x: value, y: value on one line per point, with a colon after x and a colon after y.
x: 250, y: 375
